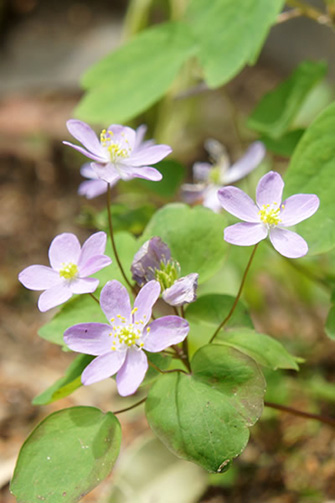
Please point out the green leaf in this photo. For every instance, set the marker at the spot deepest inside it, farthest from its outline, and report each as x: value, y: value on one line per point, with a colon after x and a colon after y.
x: 66, y: 385
x: 213, y: 308
x: 285, y: 145
x: 276, y: 111
x: 260, y: 347
x: 66, y: 456
x: 173, y: 174
x: 204, y: 417
x: 230, y: 34
x: 132, y: 78
x: 194, y: 236
x: 330, y: 323
x: 159, y: 477
x: 312, y: 171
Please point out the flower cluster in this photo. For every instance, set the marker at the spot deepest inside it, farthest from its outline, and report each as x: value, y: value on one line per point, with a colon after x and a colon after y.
x: 119, y: 344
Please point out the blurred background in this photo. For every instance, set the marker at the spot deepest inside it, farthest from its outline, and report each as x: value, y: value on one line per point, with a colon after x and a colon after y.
x: 45, y: 47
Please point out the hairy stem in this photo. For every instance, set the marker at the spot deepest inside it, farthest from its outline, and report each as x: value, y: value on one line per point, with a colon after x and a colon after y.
x: 231, y: 312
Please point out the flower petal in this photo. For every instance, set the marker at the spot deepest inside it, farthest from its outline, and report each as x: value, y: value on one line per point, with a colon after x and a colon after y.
x: 148, y: 258
x: 54, y: 296
x: 87, y: 171
x: 211, y: 199
x: 83, y: 285
x: 123, y: 135
x: 145, y: 300
x: 298, y: 207
x: 165, y: 332
x: 106, y: 172
x: 269, y: 189
x: 102, y: 367
x: 148, y: 155
x: 65, y: 248
x: 201, y: 171
x: 89, y: 338
x: 140, y: 134
x: 114, y: 300
x: 132, y: 372
x: 94, y: 265
x: 86, y: 136
x: 183, y: 291
x: 93, y: 246
x: 251, y: 159
x: 39, y: 277
x: 82, y: 150
x: 245, y: 234
x: 288, y: 243
x: 92, y: 188
x: 238, y: 203
x: 145, y: 172
x: 193, y: 193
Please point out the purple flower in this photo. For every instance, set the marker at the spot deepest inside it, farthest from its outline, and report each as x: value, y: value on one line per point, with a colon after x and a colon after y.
x: 70, y: 267
x: 92, y: 187
x: 120, y: 344
x: 120, y: 153
x: 153, y: 261
x: 210, y: 177
x: 269, y: 216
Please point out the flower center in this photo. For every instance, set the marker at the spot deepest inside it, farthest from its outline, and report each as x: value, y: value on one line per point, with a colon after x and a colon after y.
x: 126, y: 335
x: 215, y: 175
x: 269, y: 214
x: 167, y: 274
x: 68, y: 271
x: 116, y: 149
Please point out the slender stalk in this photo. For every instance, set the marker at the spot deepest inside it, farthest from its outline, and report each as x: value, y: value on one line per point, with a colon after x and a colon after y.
x: 185, y: 342
x: 165, y: 371
x: 94, y: 298
x: 301, y: 413
x: 310, y: 12
x: 110, y: 224
x: 287, y: 15
x: 229, y: 315
x: 131, y: 407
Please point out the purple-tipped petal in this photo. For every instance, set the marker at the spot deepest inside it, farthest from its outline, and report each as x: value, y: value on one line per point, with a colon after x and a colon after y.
x: 82, y: 150
x: 245, y: 234
x: 145, y: 300
x: 238, y: 203
x: 288, y: 243
x: 146, y: 173
x: 102, y: 367
x: 165, y: 332
x: 39, y: 277
x: 132, y: 372
x: 106, y: 172
x: 83, y: 285
x: 94, y: 265
x: 65, y: 248
x: 114, y: 301
x: 89, y: 338
x: 251, y: 159
x: 92, y: 188
x: 54, y: 296
x: 297, y: 208
x: 86, y: 136
x: 183, y: 291
x: 149, y: 155
x: 269, y: 189
x: 93, y: 246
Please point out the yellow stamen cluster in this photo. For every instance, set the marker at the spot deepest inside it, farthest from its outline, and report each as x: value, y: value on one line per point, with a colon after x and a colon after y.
x: 68, y: 271
x: 116, y: 151
x: 269, y: 213
x: 127, y: 334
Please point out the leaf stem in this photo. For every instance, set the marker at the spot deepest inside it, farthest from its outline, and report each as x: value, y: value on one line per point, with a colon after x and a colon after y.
x: 310, y: 12
x: 131, y: 407
x: 301, y: 413
x: 229, y: 315
x: 94, y: 298
x: 166, y: 371
x: 110, y: 224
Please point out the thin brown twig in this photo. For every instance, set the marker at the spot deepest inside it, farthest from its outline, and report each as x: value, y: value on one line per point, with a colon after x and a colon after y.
x: 301, y: 413
x: 94, y: 298
x: 131, y: 407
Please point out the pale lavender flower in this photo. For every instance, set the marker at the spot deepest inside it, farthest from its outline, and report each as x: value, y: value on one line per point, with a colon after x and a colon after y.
x: 71, y: 265
x: 269, y: 216
x: 93, y: 186
x: 209, y: 178
x: 153, y: 261
x: 119, y: 345
x: 120, y: 153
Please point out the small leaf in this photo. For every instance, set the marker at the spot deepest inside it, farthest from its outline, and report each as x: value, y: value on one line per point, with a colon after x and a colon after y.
x: 276, y: 111
x: 134, y: 77
x: 230, y: 34
x: 65, y: 385
x: 66, y: 456
x: 260, y: 347
x: 194, y: 236
x: 204, y: 417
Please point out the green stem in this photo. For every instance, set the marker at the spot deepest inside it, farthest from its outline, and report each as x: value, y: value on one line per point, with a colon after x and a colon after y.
x: 310, y: 12
x: 131, y: 407
x: 112, y: 238
x: 229, y: 315
x: 94, y: 298
x: 165, y: 371
x: 301, y: 413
